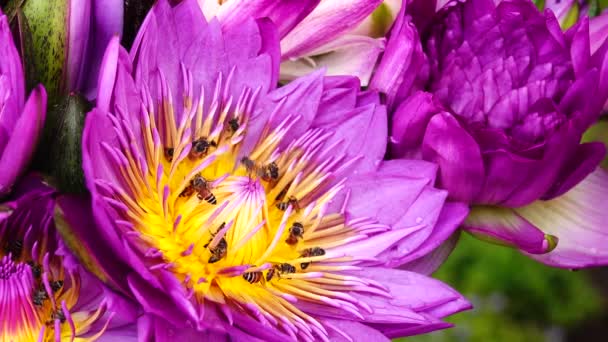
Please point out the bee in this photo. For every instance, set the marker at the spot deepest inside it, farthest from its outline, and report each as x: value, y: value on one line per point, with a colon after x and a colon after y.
x: 56, y: 285
x: 169, y: 151
x: 219, y: 251
x: 285, y: 268
x: 15, y: 248
x: 234, y: 124
x: 295, y: 233
x: 269, y: 173
x: 248, y: 163
x: 39, y: 297
x: 282, y: 193
x: 200, y: 147
x: 311, y: 252
x: 36, y: 270
x: 290, y: 201
x: 270, y: 274
x: 57, y: 314
x: 199, y: 185
x: 253, y: 277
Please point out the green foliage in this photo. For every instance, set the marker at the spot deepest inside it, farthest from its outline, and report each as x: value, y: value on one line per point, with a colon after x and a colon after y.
x: 382, y: 18
x: 515, y: 298
x: 598, y: 132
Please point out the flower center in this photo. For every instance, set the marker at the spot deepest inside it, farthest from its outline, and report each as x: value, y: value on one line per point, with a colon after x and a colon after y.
x: 29, y: 297
x: 19, y: 315
x: 240, y: 219
x: 36, y: 295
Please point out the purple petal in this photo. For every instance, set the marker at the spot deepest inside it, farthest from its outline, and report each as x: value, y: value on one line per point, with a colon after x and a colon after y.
x: 430, y: 261
x: 126, y: 333
x: 75, y: 222
x: 106, y: 22
x: 424, y: 211
x: 271, y: 47
x: 79, y: 19
x: 598, y: 31
x: 412, y: 291
x: 558, y: 149
x: 409, y: 167
x: 302, y: 98
x: 385, y: 198
x: 461, y: 168
x: 580, y: 50
x: 451, y: 216
x: 347, y: 55
x: 155, y: 302
x: 107, y: 74
x: 10, y: 65
x: 22, y: 143
x: 339, y: 329
x: 180, y: 33
x: 362, y: 132
x: 583, y: 163
x: 96, y: 165
x: 403, y: 67
x: 560, y: 8
x: 410, y: 206
x: 394, y: 331
x: 286, y: 14
x: 505, y: 226
x: 326, y: 22
x: 409, y: 123
x: 505, y: 172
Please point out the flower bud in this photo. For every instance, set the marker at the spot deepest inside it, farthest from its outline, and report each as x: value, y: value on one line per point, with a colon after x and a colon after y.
x: 62, y: 41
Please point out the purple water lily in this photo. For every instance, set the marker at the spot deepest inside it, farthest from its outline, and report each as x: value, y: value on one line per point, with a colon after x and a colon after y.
x: 45, y: 295
x: 245, y: 210
x: 21, y: 121
x: 507, y: 98
x: 345, y: 37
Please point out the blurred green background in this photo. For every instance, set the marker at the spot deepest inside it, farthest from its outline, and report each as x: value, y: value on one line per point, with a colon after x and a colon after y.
x: 518, y: 299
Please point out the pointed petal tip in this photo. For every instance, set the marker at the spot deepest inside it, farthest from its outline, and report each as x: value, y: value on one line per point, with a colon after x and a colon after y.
x: 550, y: 242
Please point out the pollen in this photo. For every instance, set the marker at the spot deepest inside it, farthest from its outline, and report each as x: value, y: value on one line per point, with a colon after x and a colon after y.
x: 240, y: 214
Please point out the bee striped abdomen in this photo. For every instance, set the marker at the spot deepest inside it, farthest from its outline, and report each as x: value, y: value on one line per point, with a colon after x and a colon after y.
x: 253, y: 277
x: 210, y: 198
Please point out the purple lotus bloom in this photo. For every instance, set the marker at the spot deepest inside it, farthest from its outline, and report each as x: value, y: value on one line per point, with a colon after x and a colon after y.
x: 45, y: 295
x: 502, y: 112
x: 21, y: 121
x: 345, y: 37
x: 251, y: 211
